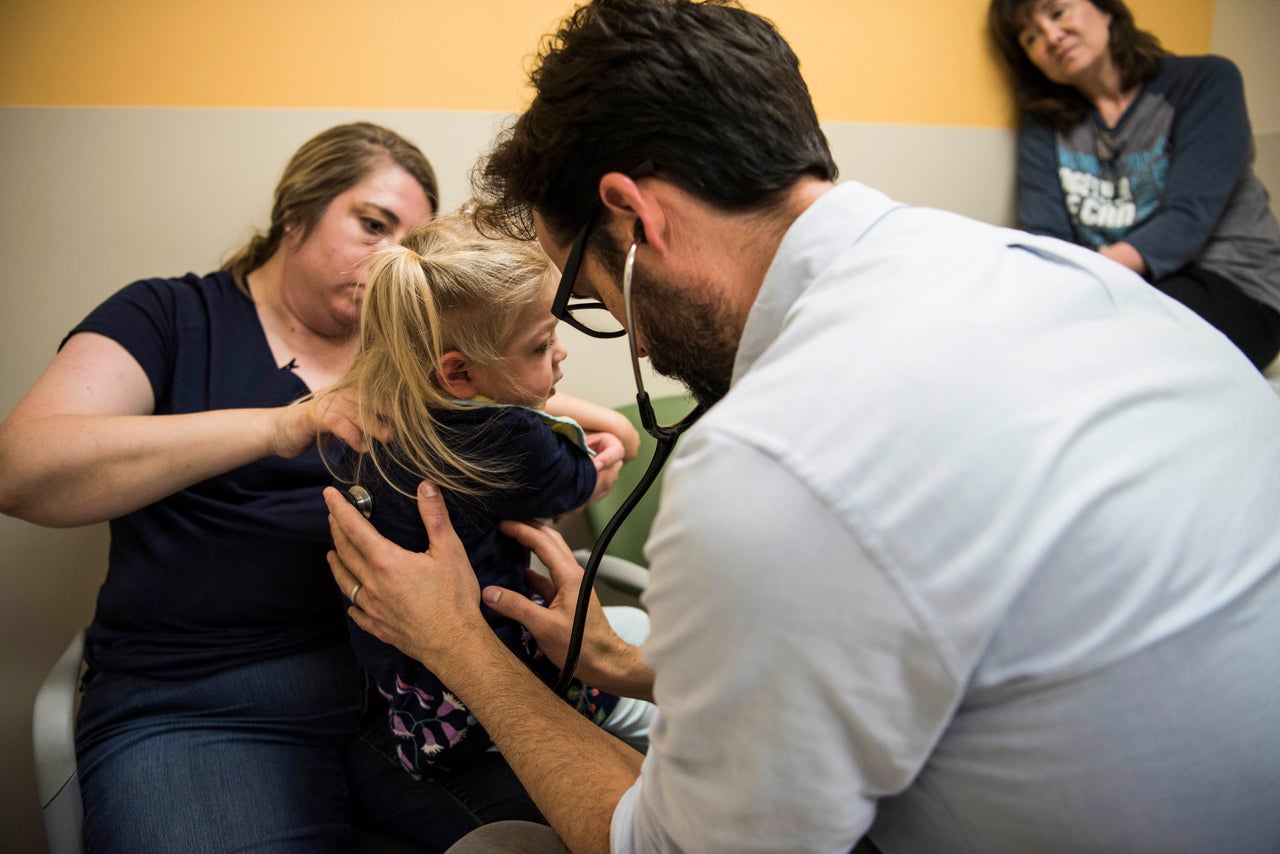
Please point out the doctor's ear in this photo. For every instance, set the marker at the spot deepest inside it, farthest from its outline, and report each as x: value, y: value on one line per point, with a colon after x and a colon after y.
x: 639, y: 202
x: 454, y: 375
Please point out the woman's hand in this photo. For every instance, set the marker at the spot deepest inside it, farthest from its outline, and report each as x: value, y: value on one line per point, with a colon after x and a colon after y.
x: 335, y: 412
x: 1126, y: 254
x: 608, y: 462
x: 85, y: 445
x: 617, y: 424
x: 606, y: 661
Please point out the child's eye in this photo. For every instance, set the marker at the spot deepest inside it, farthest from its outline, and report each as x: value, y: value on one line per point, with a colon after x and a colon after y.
x: 373, y: 226
x: 545, y: 346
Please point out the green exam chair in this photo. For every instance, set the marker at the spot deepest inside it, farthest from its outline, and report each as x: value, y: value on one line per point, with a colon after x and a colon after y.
x: 628, y: 542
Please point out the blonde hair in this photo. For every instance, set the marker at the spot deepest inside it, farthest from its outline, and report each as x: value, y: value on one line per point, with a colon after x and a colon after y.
x: 444, y: 287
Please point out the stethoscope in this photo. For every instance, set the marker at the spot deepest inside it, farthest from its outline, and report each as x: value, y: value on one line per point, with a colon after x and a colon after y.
x: 666, y: 437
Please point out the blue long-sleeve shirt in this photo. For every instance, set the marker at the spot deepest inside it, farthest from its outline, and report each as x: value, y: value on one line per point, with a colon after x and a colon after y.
x: 1174, y: 178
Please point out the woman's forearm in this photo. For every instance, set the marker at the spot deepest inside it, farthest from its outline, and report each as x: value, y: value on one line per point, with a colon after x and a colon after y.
x: 599, y: 419
x: 84, y: 446
x: 74, y: 469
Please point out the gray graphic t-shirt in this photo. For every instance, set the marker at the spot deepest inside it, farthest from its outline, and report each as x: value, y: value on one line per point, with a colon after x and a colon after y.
x: 1174, y: 178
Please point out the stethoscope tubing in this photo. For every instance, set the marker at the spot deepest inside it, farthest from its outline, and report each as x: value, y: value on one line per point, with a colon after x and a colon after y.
x: 666, y: 438
x: 666, y: 444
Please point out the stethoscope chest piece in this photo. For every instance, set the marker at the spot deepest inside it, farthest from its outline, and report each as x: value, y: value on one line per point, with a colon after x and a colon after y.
x: 360, y: 498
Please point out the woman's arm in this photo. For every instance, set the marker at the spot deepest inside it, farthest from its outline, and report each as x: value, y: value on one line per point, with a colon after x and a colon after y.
x: 597, y: 419
x: 608, y: 460
x: 1211, y: 147
x: 83, y: 445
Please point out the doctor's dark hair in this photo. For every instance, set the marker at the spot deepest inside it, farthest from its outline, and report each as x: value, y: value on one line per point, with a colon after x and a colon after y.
x: 709, y: 92
x: 324, y: 167
x: 1136, y: 54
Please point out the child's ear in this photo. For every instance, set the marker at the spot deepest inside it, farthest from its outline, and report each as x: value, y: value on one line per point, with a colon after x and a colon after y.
x: 454, y: 376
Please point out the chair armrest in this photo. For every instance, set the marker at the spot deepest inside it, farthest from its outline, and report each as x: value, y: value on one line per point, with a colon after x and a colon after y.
x: 53, y: 723
x: 620, y: 574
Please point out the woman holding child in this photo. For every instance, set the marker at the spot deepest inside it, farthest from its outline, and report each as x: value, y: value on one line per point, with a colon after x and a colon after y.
x: 223, y: 708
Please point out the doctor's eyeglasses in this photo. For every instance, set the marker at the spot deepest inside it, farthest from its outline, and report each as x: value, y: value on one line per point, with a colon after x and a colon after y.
x: 588, y: 316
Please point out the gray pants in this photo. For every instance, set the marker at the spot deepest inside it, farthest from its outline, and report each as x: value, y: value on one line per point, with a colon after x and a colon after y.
x: 510, y: 837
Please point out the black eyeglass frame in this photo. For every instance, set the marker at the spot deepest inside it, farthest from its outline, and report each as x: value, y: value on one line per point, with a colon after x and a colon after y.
x: 561, y: 308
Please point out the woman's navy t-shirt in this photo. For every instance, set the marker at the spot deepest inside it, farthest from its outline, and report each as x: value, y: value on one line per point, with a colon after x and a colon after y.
x: 232, y: 569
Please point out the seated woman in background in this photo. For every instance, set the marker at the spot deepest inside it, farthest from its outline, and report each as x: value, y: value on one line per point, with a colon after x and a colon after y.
x: 458, y: 358
x: 1144, y: 156
x: 223, y: 707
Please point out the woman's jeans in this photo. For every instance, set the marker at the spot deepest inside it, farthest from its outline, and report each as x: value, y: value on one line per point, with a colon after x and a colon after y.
x: 282, y: 755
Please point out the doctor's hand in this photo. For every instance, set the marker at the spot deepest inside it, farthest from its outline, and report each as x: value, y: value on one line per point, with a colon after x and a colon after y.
x: 606, y: 661
x: 427, y: 604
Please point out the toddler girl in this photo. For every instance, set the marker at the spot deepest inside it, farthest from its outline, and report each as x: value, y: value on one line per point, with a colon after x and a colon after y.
x: 458, y: 357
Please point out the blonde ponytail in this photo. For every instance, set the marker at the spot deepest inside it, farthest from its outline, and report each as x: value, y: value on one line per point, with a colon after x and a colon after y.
x: 444, y: 288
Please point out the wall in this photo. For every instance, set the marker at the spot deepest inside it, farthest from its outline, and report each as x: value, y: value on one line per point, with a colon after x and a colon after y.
x: 1248, y: 31
x: 142, y: 137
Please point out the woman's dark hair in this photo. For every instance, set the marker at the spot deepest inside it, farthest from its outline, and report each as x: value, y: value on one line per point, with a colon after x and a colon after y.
x: 1136, y: 54
x: 327, y: 165
x: 708, y: 92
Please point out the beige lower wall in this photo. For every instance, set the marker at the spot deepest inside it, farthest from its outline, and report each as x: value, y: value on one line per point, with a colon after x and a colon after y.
x: 1267, y: 166
x: 95, y: 198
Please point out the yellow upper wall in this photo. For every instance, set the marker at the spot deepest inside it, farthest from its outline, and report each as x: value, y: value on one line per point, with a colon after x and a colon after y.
x: 879, y: 61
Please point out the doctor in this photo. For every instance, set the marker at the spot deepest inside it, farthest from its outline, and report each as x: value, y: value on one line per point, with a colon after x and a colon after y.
x: 975, y: 550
